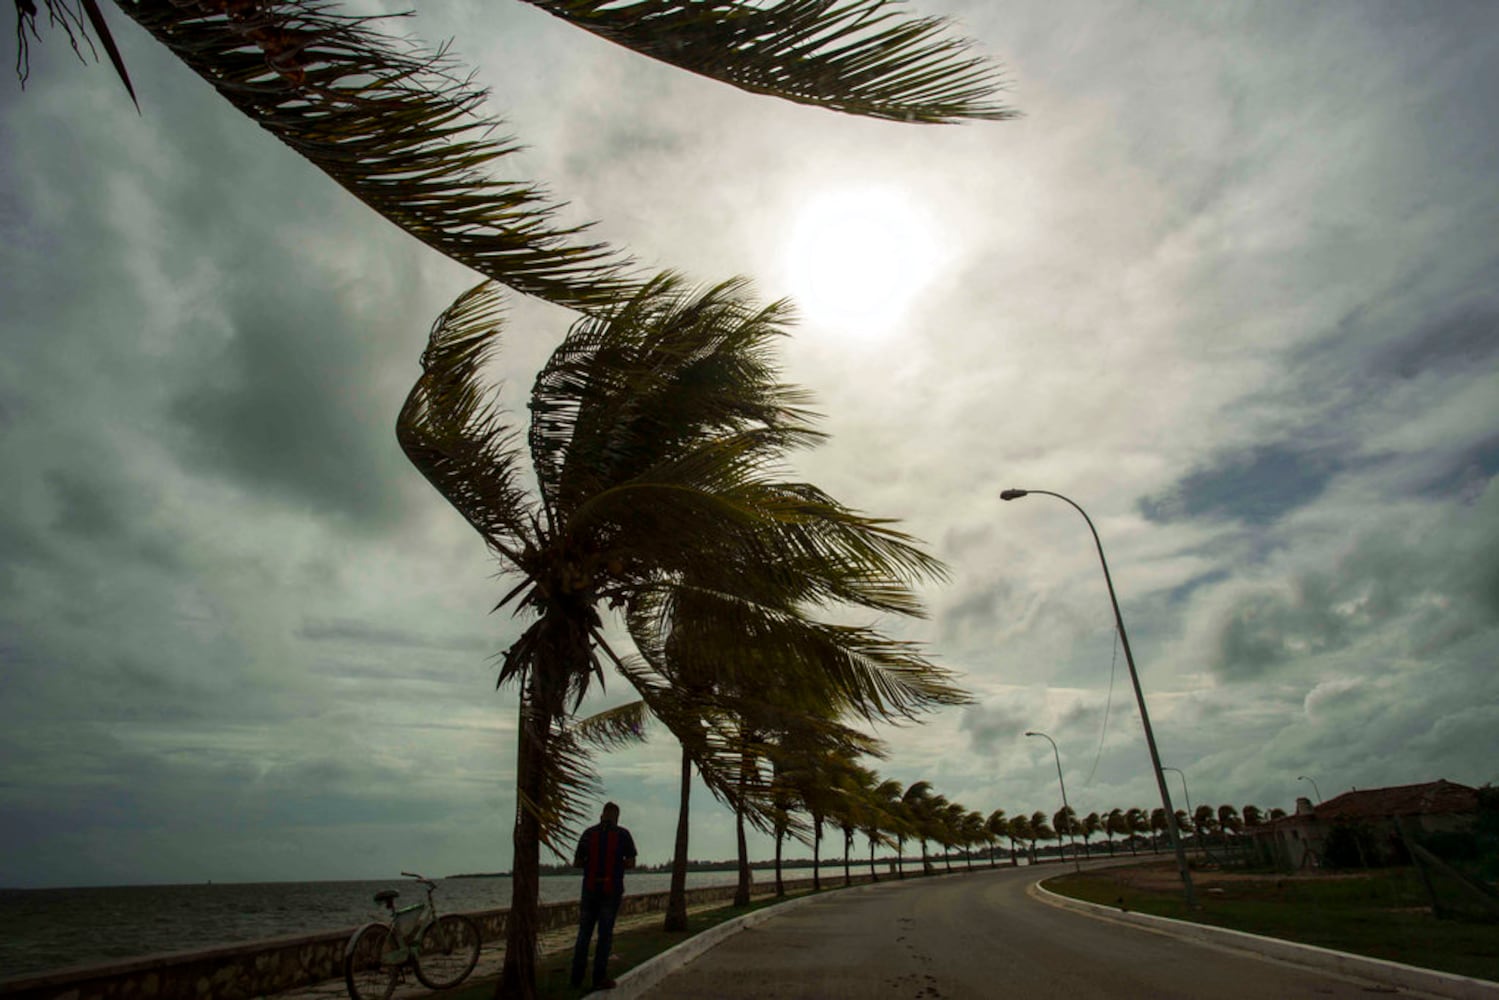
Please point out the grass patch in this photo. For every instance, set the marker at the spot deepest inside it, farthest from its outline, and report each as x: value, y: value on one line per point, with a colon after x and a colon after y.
x: 632, y: 947
x: 1382, y: 913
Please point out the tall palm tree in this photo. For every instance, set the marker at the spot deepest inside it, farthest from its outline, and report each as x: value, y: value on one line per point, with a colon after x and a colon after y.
x: 1020, y: 832
x: 997, y: 826
x: 1087, y: 827
x: 1115, y: 824
x: 1158, y: 826
x: 1136, y: 822
x: 403, y: 128
x: 1039, y: 830
x: 919, y: 802
x: 881, y: 818
x: 655, y: 431
x: 974, y: 833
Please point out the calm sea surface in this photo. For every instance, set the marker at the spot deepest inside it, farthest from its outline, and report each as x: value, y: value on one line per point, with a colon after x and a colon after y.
x: 52, y: 928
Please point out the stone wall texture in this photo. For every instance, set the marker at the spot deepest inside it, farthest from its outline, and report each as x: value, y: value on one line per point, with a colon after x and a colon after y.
x: 259, y: 968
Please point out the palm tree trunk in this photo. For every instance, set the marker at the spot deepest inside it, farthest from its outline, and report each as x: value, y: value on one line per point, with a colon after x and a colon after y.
x: 780, y: 838
x: 518, y: 977
x: 926, y: 865
x: 742, y: 892
x: 676, y: 900
x: 874, y: 876
x: 816, y: 853
x: 848, y: 840
x: 900, y: 857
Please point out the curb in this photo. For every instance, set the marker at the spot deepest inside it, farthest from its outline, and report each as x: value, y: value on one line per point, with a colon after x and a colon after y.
x: 1409, y: 977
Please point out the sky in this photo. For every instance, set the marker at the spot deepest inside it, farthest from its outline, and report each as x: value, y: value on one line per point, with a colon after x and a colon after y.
x: 1231, y: 284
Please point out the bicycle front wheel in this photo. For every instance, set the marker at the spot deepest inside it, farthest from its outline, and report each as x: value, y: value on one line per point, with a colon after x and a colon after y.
x: 367, y: 972
x: 447, y: 951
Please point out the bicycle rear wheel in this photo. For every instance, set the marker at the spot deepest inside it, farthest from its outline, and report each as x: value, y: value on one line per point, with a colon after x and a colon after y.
x: 367, y: 974
x: 447, y: 951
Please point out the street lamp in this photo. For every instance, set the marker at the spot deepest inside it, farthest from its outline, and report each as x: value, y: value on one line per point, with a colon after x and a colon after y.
x: 1066, y: 809
x: 1302, y: 777
x: 1134, y: 676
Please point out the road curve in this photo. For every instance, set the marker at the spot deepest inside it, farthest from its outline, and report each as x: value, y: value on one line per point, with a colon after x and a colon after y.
x: 975, y: 936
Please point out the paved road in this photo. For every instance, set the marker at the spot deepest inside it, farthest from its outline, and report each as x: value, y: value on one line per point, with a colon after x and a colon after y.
x: 975, y: 937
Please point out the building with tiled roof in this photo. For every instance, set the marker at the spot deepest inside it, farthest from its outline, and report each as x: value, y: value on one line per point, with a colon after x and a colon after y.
x: 1377, y: 819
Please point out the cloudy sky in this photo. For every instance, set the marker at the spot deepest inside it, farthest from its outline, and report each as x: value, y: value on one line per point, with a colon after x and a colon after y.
x: 1232, y: 284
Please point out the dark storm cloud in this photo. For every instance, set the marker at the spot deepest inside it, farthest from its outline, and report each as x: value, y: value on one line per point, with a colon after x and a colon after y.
x: 989, y: 726
x: 280, y: 411
x: 1257, y: 486
x: 1441, y: 584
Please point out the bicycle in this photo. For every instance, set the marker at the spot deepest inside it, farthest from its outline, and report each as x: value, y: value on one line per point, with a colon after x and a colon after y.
x: 441, y: 950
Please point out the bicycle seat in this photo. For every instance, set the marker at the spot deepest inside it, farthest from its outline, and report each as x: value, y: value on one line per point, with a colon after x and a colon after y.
x: 386, y: 895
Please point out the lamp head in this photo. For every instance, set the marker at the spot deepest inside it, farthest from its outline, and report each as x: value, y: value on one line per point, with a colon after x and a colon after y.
x: 1013, y: 495
x: 1029, y: 733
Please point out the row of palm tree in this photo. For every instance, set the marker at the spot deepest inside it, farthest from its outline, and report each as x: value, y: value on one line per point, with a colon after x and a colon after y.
x: 1134, y: 824
x: 651, y: 510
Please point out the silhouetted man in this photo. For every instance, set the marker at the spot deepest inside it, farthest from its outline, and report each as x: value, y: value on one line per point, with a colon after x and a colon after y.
x: 604, y: 852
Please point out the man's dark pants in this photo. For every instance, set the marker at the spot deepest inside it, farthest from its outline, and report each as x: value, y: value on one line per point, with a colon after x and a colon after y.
x: 595, y: 908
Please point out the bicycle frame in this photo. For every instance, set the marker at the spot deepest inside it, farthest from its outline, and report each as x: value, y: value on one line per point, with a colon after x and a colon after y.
x: 407, y: 948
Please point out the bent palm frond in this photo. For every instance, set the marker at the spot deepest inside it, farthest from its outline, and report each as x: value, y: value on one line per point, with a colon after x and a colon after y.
x: 395, y: 126
x: 454, y: 436
x: 862, y: 57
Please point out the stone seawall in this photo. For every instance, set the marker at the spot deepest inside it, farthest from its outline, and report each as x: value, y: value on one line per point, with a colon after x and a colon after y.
x: 261, y: 968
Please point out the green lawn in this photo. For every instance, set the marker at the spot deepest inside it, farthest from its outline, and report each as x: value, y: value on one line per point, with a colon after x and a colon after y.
x: 1382, y: 913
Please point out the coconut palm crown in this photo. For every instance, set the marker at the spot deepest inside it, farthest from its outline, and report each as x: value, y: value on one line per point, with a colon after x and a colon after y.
x: 657, y: 432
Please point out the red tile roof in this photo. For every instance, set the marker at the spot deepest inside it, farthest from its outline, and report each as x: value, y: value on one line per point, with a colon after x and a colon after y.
x: 1433, y: 798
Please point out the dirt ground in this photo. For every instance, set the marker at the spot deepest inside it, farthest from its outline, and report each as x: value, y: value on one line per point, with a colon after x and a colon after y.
x: 1161, y: 876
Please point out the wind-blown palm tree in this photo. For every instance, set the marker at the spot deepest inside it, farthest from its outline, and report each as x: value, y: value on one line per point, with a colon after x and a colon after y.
x: 1158, y: 826
x: 996, y: 826
x: 1039, y: 830
x: 403, y: 128
x: 882, y: 818
x: 1136, y: 822
x: 922, y: 806
x: 1087, y: 827
x: 655, y: 431
x: 1115, y: 824
x: 1020, y: 832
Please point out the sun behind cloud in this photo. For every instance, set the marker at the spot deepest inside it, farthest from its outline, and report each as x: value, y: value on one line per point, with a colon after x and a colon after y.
x: 857, y: 256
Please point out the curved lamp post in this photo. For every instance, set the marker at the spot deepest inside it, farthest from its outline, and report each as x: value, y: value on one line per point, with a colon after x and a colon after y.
x: 1066, y: 809
x: 1302, y: 777
x: 1155, y: 757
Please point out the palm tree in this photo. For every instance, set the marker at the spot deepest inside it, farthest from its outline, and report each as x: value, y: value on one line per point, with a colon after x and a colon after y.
x: 1064, y: 821
x: 920, y: 804
x: 1252, y: 817
x: 1115, y: 824
x: 1020, y: 832
x: 1136, y: 822
x: 1158, y: 826
x: 1228, y: 821
x: 881, y: 818
x: 950, y: 829
x: 402, y: 128
x: 1091, y: 824
x: 1204, y: 822
x: 655, y: 427
x: 1039, y: 830
x: 975, y: 832
x: 996, y: 826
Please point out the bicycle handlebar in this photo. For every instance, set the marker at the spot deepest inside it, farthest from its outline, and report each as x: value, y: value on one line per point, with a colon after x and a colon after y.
x: 422, y: 879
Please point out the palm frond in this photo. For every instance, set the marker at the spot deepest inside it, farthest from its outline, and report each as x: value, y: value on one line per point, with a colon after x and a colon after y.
x: 394, y: 125
x: 614, y: 728
x: 456, y: 437
x: 863, y: 57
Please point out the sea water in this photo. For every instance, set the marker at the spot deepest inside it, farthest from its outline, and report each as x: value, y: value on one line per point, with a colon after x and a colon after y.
x: 48, y: 929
